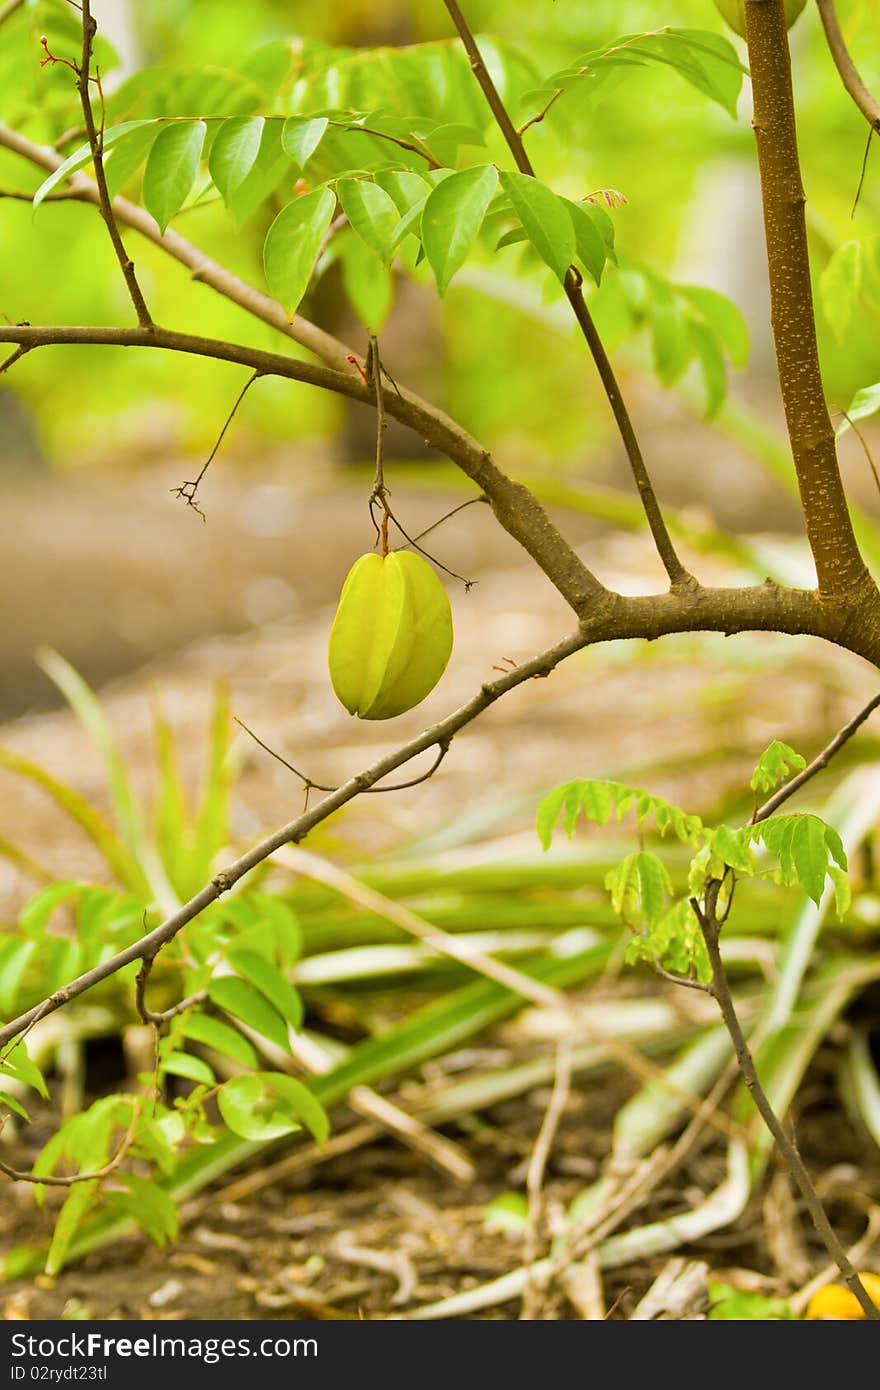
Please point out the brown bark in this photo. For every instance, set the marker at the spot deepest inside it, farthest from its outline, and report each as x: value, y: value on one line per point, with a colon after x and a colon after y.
x: 839, y: 565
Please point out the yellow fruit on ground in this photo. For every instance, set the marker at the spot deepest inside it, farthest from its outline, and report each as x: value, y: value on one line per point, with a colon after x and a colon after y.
x: 734, y: 13
x: 832, y: 1301
x: 392, y: 635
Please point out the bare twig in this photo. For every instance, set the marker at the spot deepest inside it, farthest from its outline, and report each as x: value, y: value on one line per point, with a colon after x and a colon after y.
x: 420, y: 148
x: 849, y: 75
x: 96, y: 141
x: 535, y: 1174
x: 710, y: 929
x: 865, y: 450
x: 20, y: 1175
x: 310, y: 785
x: 678, y: 575
x: 188, y: 490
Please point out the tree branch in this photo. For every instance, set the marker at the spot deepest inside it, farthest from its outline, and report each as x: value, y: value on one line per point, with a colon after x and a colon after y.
x: 296, y: 830
x: 821, y: 761
x: 710, y: 929
x: 849, y: 74
x: 515, y: 506
x: 839, y: 565
x: 96, y: 141
x: 676, y: 571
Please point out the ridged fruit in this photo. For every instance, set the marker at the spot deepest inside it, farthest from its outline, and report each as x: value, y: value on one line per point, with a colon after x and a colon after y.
x: 391, y: 637
x: 734, y: 13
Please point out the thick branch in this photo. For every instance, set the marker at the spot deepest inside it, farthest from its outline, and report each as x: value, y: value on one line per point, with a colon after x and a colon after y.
x: 514, y: 505
x: 849, y: 74
x: 676, y: 571
x: 839, y: 565
x: 96, y: 141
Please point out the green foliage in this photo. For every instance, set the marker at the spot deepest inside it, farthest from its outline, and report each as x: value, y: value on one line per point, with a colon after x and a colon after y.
x: 727, y: 1302
x: 775, y: 764
x: 799, y: 850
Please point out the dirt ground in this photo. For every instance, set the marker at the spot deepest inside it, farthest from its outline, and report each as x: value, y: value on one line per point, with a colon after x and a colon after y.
x: 376, y: 1232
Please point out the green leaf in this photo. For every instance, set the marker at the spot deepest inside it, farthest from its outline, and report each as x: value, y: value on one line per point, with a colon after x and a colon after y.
x: 149, y: 1206
x: 849, y: 284
x: 267, y: 1105
x: 234, y: 153
x: 371, y: 212
x: 732, y: 847
x: 589, y: 241
x: 19, y: 1065
x: 596, y: 799
x: 404, y: 186
x: 15, y: 956
x: 189, y: 1067
x: 171, y: 169
x: 264, y: 976
x: 83, y: 156
x: 128, y: 154
x: 263, y: 177
x: 79, y: 1203
x: 704, y: 59
x: 240, y: 999
x: 842, y: 890
x: 368, y: 283
x: 12, y: 1104
x: 669, y: 330
x: 211, y: 1032
x: 546, y: 219
x: 86, y: 706
x: 115, y: 855
x: 728, y: 1302
x: 293, y: 243
x: 864, y: 404
x: 654, y: 885
x: 704, y: 345
x: 452, y: 218
x: 724, y: 319
x: 301, y: 137
x: 775, y: 765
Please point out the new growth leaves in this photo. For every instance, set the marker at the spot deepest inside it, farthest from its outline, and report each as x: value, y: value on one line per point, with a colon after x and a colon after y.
x: 793, y: 850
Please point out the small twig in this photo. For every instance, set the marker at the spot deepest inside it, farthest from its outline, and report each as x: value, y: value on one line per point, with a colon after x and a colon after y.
x: 13, y: 357
x: 19, y: 1175
x: 188, y: 490
x: 862, y: 173
x: 96, y: 142
x: 678, y: 575
x: 68, y: 196
x: 158, y: 1020
x: 864, y: 443
x: 421, y: 149
x: 410, y: 540
x: 849, y: 74
x: 309, y: 785
x: 447, y: 516
x: 535, y: 1174
x: 710, y: 929
x: 820, y: 762
x: 380, y: 492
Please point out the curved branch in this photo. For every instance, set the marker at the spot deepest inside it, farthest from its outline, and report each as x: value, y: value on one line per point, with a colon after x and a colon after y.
x: 849, y: 74
x: 514, y: 505
x: 676, y: 571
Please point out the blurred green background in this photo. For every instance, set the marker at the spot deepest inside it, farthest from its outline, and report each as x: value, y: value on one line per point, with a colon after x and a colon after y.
x: 494, y: 356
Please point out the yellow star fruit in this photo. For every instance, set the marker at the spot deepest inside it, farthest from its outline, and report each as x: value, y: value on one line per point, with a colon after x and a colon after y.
x: 392, y: 635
